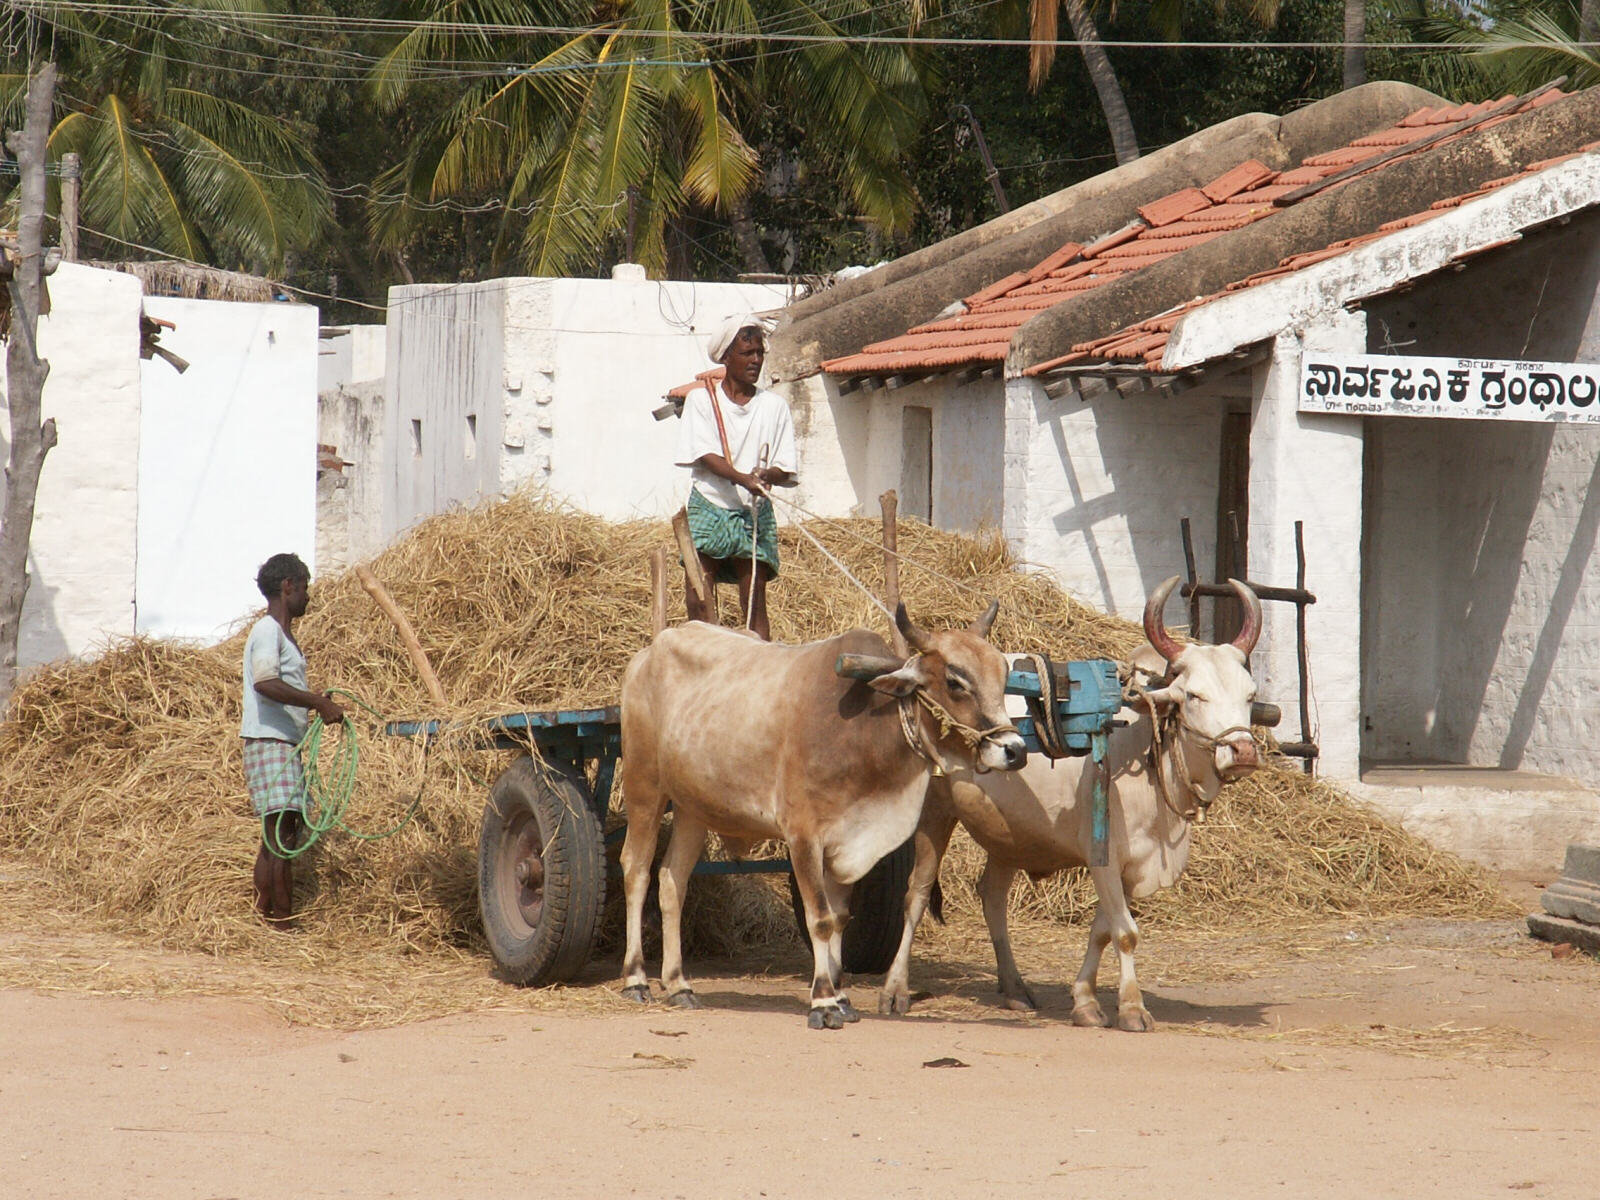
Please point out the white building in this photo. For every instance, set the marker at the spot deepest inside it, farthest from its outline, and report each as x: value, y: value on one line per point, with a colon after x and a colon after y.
x: 544, y: 382
x: 1087, y: 372
x: 165, y: 491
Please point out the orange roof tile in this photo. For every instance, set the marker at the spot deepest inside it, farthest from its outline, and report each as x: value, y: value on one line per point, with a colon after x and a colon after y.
x: 1246, y: 175
x: 1189, y: 217
x: 1170, y: 208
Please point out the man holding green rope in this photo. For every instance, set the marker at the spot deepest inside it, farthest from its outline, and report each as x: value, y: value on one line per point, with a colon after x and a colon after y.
x: 276, y: 700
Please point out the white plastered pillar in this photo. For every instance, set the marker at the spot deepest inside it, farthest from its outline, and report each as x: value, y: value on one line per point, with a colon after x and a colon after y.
x: 1308, y: 467
x: 1022, y: 398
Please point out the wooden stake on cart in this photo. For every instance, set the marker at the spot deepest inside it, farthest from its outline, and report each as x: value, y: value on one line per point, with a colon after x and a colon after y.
x: 691, y: 559
x: 658, y: 591
x: 408, y: 635
x: 889, y: 502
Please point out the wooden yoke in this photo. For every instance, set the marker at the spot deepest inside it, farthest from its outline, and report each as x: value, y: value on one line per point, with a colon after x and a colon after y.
x: 889, y: 502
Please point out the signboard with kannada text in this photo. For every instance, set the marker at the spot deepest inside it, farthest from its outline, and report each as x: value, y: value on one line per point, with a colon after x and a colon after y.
x: 1483, y: 389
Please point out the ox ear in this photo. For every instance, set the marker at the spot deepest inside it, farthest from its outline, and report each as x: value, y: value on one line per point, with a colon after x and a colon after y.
x: 903, y: 682
x: 1164, y: 700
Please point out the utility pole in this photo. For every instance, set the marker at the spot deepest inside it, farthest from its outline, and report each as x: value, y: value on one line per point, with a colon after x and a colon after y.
x: 991, y: 172
x: 71, y: 181
x: 31, y: 438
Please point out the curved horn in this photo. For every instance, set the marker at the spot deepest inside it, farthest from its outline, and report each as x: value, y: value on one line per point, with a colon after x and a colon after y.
x: 985, y: 622
x: 916, y: 638
x: 1248, y: 636
x: 1155, y: 628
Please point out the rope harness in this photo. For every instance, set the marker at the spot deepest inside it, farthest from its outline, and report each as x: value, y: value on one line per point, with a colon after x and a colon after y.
x: 917, y: 739
x: 1042, y: 708
x: 1166, y: 733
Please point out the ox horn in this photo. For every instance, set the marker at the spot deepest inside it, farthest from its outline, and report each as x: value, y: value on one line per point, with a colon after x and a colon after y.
x: 985, y: 622
x: 1251, y: 633
x: 916, y: 638
x: 1155, y: 628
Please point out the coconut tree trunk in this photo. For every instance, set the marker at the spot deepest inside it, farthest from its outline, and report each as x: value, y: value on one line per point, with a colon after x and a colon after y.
x: 1589, y: 24
x: 1355, y: 38
x: 1112, y: 102
x: 748, y: 239
x: 31, y: 439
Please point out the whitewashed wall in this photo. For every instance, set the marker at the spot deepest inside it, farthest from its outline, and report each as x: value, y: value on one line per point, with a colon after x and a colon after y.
x: 85, y: 523
x: 227, y: 460
x: 559, y: 376
x: 1483, y: 604
x: 1094, y: 490
x: 350, y: 418
x: 348, y: 354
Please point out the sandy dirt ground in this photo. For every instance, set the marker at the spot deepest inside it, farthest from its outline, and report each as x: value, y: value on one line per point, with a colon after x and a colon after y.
x: 1418, y: 1059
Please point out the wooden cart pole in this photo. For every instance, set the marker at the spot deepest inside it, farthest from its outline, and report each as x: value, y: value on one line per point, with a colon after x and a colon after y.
x: 889, y: 502
x: 658, y: 591
x: 408, y: 635
x: 691, y: 558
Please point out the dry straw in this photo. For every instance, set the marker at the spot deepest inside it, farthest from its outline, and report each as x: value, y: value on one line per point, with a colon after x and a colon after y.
x: 121, y: 788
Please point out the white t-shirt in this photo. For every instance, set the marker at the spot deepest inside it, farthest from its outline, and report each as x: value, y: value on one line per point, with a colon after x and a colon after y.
x: 762, y: 421
x: 269, y: 654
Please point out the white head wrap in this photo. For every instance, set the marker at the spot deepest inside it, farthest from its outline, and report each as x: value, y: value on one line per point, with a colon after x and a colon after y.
x: 723, y: 334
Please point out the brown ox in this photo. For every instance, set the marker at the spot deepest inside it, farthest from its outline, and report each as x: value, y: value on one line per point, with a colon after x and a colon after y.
x: 1040, y: 819
x: 754, y: 740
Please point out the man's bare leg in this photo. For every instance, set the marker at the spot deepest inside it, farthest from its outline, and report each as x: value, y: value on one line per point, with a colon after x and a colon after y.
x: 274, y: 876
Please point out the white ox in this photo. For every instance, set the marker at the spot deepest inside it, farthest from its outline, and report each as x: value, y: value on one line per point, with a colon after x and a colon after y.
x: 754, y: 740
x: 1040, y: 819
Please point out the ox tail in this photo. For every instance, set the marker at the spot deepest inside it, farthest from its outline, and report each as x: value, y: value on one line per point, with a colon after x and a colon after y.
x: 936, y: 902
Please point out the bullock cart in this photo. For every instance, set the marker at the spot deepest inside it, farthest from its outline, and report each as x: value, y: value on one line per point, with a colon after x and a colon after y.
x: 542, y: 862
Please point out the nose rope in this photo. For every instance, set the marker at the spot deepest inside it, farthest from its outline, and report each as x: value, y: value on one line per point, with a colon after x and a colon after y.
x: 1165, y: 733
x: 948, y: 724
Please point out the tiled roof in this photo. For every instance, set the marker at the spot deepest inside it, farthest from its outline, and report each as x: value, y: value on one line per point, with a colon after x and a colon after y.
x: 1242, y: 195
x: 1144, y: 343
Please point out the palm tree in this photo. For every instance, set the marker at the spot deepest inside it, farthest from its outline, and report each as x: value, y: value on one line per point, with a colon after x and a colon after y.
x: 1166, y: 15
x: 1524, y: 45
x: 637, y: 111
x: 168, y: 163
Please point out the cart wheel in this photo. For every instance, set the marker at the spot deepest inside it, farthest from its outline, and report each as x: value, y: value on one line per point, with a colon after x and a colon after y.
x: 541, y: 872
x: 877, y: 913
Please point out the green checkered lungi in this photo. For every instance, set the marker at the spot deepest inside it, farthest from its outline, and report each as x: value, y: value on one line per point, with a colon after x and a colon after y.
x: 274, y: 776
x: 724, y: 534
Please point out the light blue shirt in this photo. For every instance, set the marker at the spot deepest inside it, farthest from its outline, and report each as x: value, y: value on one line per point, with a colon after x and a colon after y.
x: 269, y: 654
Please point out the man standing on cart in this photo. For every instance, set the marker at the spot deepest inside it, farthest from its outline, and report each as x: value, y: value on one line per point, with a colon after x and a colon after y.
x: 737, y: 441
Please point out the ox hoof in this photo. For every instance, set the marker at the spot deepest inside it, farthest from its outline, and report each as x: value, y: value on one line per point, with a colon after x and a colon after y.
x: 639, y: 993
x: 825, y: 1018
x: 1135, y: 1020
x: 684, y: 999
x: 1089, y: 1016
x: 1022, y: 1004
x: 848, y: 1012
x: 894, y: 1004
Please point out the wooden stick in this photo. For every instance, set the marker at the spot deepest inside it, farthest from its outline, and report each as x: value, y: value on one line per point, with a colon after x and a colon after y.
x: 658, y: 591
x: 889, y: 502
x: 691, y: 556
x: 408, y: 635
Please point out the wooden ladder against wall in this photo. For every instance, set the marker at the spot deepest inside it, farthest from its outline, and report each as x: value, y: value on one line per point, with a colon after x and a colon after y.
x: 1305, y: 749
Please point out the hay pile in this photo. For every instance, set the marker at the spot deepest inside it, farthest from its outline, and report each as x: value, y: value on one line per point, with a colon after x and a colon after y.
x: 121, y: 784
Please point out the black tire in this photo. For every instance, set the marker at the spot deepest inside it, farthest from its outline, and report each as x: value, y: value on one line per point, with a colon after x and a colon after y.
x: 542, y: 925
x: 877, y: 913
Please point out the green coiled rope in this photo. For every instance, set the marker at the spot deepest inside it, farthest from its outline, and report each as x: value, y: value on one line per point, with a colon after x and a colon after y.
x: 329, y: 787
